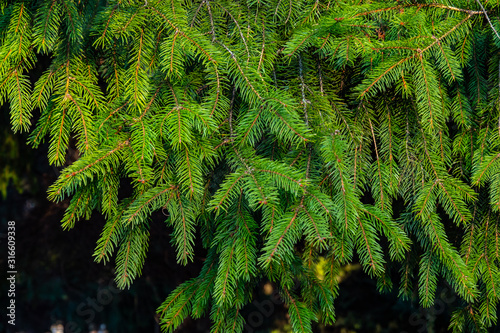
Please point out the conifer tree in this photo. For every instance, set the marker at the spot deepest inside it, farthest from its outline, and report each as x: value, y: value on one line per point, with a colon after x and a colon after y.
x: 279, y: 132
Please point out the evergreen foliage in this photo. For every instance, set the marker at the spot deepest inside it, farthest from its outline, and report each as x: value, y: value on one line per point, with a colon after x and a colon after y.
x: 277, y: 131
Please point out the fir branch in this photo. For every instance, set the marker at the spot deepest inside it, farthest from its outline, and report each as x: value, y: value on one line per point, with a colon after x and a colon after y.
x: 488, y: 18
x: 420, y: 5
x: 378, y: 165
x: 170, y: 321
x: 83, y: 119
x: 271, y: 251
x: 182, y: 33
x: 208, y: 110
x: 299, y: 314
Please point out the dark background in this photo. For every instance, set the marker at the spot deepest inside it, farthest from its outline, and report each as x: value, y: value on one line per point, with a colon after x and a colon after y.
x: 59, y: 282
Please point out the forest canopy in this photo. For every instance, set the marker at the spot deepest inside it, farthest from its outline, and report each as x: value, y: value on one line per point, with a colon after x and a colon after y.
x: 279, y: 135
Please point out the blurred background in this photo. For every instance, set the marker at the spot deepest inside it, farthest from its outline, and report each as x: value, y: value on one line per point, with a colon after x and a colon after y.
x: 61, y: 289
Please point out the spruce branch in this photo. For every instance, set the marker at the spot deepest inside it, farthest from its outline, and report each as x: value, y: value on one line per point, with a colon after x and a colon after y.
x: 488, y: 18
x: 208, y: 112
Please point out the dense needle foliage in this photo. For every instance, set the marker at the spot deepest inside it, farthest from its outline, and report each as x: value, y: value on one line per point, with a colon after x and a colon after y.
x: 279, y: 132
